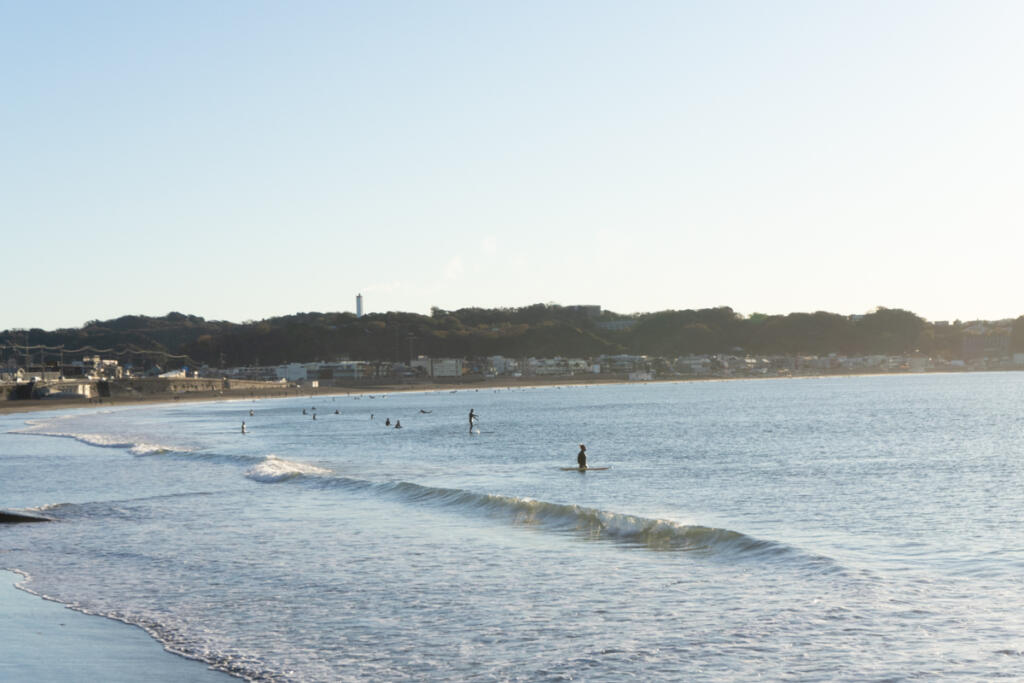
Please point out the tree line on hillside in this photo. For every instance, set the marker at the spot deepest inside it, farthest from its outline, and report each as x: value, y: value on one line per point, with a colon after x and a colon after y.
x: 541, y: 330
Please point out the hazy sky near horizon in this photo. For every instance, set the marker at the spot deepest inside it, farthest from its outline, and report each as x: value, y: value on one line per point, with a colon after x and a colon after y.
x: 240, y: 160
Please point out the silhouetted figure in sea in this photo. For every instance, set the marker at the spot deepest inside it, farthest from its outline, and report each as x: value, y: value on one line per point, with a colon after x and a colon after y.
x: 581, y: 457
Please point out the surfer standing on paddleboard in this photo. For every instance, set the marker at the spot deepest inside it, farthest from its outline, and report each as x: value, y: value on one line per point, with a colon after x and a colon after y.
x: 472, y: 418
x: 581, y: 458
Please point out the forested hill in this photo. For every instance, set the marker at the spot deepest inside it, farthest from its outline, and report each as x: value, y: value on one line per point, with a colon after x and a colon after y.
x: 541, y: 330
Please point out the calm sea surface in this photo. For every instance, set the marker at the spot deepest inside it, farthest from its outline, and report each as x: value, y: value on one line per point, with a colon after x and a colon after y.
x: 860, y: 529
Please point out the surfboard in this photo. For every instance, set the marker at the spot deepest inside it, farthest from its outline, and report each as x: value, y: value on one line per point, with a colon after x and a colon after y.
x: 583, y: 469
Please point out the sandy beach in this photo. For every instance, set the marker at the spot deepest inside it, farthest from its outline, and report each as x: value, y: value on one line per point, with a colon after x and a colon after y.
x: 45, y: 642
x: 25, y: 406
x: 489, y: 384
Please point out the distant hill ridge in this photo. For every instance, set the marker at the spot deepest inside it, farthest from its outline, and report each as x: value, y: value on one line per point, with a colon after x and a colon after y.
x: 540, y: 330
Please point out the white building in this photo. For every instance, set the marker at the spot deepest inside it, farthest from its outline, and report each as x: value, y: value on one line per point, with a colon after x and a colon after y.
x: 293, y: 372
x: 438, y: 367
x: 446, y: 367
x: 499, y: 365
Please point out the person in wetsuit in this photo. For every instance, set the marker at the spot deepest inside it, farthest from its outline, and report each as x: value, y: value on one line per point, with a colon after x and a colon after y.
x: 472, y: 418
x: 581, y: 458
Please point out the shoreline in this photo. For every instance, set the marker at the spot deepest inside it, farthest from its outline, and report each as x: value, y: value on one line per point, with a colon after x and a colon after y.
x: 39, y: 405
x: 46, y: 640
x: 8, y: 407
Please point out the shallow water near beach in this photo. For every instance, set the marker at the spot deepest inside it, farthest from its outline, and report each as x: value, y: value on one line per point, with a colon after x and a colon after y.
x: 858, y: 528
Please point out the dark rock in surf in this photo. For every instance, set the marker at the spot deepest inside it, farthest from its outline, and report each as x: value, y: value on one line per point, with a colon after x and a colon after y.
x: 8, y: 517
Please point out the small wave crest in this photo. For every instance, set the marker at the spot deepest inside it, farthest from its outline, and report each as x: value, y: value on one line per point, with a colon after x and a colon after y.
x: 595, y: 524
x: 48, y: 507
x: 589, y: 523
x: 273, y: 469
x: 133, y: 446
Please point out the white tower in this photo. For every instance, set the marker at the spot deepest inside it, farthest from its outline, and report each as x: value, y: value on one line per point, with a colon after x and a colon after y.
x: 359, y: 305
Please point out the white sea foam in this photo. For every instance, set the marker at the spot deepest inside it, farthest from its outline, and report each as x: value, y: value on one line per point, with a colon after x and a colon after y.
x: 273, y: 469
x: 108, y: 441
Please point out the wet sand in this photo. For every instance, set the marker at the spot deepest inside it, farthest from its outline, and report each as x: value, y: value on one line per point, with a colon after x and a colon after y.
x: 44, y: 641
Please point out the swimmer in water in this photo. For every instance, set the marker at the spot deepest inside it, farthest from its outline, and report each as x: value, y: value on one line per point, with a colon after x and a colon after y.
x: 581, y: 457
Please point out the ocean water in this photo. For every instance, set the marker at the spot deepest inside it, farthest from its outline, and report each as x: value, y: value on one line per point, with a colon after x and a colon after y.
x: 858, y: 529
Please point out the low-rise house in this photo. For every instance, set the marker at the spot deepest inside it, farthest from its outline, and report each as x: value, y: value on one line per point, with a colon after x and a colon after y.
x: 500, y: 365
x: 623, y: 363
x: 438, y: 367
x: 292, y: 372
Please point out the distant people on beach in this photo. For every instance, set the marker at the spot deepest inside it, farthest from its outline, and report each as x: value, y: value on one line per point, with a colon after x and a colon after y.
x: 581, y: 457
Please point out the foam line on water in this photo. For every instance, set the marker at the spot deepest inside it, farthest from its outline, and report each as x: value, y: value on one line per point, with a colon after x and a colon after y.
x: 136, y: 447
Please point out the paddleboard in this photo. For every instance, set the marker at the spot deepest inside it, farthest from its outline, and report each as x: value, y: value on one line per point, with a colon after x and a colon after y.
x: 582, y: 469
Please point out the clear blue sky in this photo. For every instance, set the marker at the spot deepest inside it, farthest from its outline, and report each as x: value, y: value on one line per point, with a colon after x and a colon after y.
x: 242, y: 159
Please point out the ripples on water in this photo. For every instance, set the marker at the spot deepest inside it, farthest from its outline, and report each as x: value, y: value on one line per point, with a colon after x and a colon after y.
x: 832, y: 529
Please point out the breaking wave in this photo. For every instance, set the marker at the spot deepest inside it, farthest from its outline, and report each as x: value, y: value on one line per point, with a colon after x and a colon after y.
x: 583, y: 522
x: 587, y: 523
x: 591, y: 523
x: 273, y: 469
x: 44, y: 428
